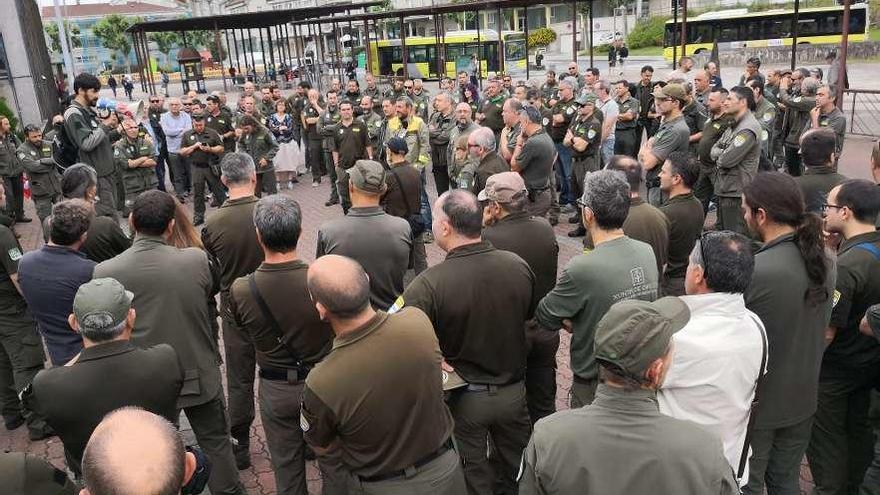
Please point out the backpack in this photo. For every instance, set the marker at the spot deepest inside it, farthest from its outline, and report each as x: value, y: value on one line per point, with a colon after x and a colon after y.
x: 64, y: 152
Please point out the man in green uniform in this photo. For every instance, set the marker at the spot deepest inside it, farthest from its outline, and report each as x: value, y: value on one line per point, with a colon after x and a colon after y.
x: 393, y: 434
x: 21, y: 349
x: 439, y: 130
x: 791, y: 292
x: 350, y: 143
x: 220, y: 122
x: 203, y: 148
x: 584, y: 137
x: 352, y: 94
x: 685, y: 213
x: 736, y: 156
x: 797, y: 93
x: 490, y: 110
x: 295, y: 105
x: 481, y: 146
x: 841, y: 443
x: 135, y: 160
x: 420, y: 97
x: 11, y: 170
x: 396, y: 90
x: 36, y: 158
x: 326, y: 126
x: 464, y: 125
x: 820, y: 176
x: 561, y: 115
x: 549, y: 88
x: 826, y: 114
x: 311, y: 115
x: 512, y: 128
x: 373, y: 123
x: 230, y: 237
x: 266, y: 106
x: 508, y: 226
x: 373, y: 92
x: 533, y: 158
x: 272, y: 308
x: 574, y: 451
x: 616, y: 268
x: 715, y: 125
x: 255, y: 140
x: 472, y: 324
x: 172, y: 288
x: 695, y: 116
x: 91, y: 137
x: 672, y: 135
x: 644, y: 93
x: 627, y: 118
x: 765, y: 113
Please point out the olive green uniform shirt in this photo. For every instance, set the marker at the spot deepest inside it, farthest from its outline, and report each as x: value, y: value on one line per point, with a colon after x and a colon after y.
x: 350, y: 142
x: 815, y: 185
x: 283, y: 287
x: 852, y: 353
x: 646, y: 223
x: 686, y: 218
x: 628, y: 105
x: 622, y: 444
x: 137, y: 179
x: 478, y: 299
x: 90, y: 137
x: 40, y: 166
x: 568, y: 110
x: 795, y: 332
x: 491, y: 110
x: 10, y: 164
x: 378, y: 395
x: 613, y: 271
x: 713, y: 128
x: 737, y: 155
x: 836, y: 121
x: 222, y: 124
x: 260, y: 144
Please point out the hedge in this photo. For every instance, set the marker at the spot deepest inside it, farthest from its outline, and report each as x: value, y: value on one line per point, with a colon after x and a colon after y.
x: 541, y: 37
x: 8, y: 113
x: 647, y: 32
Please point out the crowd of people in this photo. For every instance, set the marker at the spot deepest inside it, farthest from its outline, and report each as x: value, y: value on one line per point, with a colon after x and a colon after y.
x: 704, y: 358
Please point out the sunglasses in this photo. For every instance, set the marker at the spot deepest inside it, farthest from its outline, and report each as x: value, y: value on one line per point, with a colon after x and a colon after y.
x: 154, y: 101
x: 473, y: 145
x: 407, y: 87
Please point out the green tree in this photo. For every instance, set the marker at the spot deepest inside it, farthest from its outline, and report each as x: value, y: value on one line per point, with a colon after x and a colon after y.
x: 55, y: 39
x: 164, y: 43
x: 111, y: 31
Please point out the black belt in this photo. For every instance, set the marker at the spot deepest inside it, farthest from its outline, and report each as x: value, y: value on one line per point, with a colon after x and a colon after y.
x: 294, y: 375
x: 447, y: 445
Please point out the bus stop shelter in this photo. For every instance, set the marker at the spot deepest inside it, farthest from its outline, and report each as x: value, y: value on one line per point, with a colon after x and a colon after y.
x: 280, y: 29
x: 272, y: 27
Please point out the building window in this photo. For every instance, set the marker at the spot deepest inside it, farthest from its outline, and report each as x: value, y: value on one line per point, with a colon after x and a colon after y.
x: 560, y: 13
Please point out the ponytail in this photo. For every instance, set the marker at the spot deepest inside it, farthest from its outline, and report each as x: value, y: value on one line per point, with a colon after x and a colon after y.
x: 808, y: 238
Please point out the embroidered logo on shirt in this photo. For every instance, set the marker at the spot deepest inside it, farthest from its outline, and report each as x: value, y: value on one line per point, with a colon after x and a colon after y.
x: 14, y: 254
x: 739, y: 140
x: 638, y: 275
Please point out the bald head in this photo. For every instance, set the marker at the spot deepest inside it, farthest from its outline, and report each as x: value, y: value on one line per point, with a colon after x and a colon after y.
x: 133, y: 451
x: 340, y: 285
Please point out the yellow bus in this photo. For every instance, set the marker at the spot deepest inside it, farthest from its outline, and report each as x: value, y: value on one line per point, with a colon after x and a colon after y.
x: 737, y: 29
x: 387, y: 55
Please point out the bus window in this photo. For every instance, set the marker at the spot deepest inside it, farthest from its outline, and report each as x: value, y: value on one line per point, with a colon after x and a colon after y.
x: 417, y: 54
x: 490, y: 55
x: 386, y: 59
x: 699, y: 32
x: 808, y: 26
x: 728, y: 31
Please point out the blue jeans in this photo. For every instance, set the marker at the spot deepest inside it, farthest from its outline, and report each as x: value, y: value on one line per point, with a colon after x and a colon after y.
x: 425, y: 205
x: 563, y: 172
x: 608, y: 149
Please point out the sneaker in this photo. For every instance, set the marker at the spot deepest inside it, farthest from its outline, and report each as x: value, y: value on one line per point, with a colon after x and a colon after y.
x: 331, y: 202
x: 553, y: 221
x: 567, y: 209
x: 316, y: 183
x: 574, y: 219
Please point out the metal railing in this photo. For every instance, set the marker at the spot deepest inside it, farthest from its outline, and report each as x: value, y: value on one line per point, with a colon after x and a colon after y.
x: 862, y: 110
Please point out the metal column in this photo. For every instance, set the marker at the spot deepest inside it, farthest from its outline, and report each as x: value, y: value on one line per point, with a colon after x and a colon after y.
x: 237, y: 56
x: 480, y: 55
x: 592, y: 5
x: 684, y: 21
x: 403, y: 49
x: 500, y: 24
x: 271, y: 52
x: 526, y: 31
x: 219, y: 55
x: 263, y: 52
x: 844, y: 44
x: 574, y: 31
x: 369, y: 68
x: 674, y: 33
x: 795, y: 27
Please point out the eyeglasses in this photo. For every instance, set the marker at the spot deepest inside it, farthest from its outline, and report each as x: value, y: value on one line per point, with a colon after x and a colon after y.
x: 825, y: 206
x: 703, y: 257
x: 407, y: 87
x: 154, y: 101
x: 473, y: 145
x: 581, y: 203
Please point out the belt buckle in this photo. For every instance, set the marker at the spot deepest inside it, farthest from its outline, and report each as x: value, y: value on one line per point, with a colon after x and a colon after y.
x: 292, y: 376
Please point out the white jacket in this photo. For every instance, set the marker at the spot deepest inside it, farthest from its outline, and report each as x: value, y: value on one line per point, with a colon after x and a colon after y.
x: 715, y: 365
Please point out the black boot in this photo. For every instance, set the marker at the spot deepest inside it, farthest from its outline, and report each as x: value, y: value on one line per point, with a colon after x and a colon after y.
x: 578, y: 232
x: 241, y: 444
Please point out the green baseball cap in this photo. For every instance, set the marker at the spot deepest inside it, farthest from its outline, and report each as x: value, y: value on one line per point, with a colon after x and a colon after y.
x: 102, y: 300
x: 633, y: 333
x: 368, y: 176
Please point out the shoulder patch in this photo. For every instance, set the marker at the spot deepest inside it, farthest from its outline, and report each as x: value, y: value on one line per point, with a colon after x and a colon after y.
x: 21, y: 155
x: 397, y: 306
x: 14, y: 254
x: 545, y: 121
x: 768, y: 116
x: 569, y: 110
x: 591, y: 134
x: 739, y: 140
x: 116, y: 152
